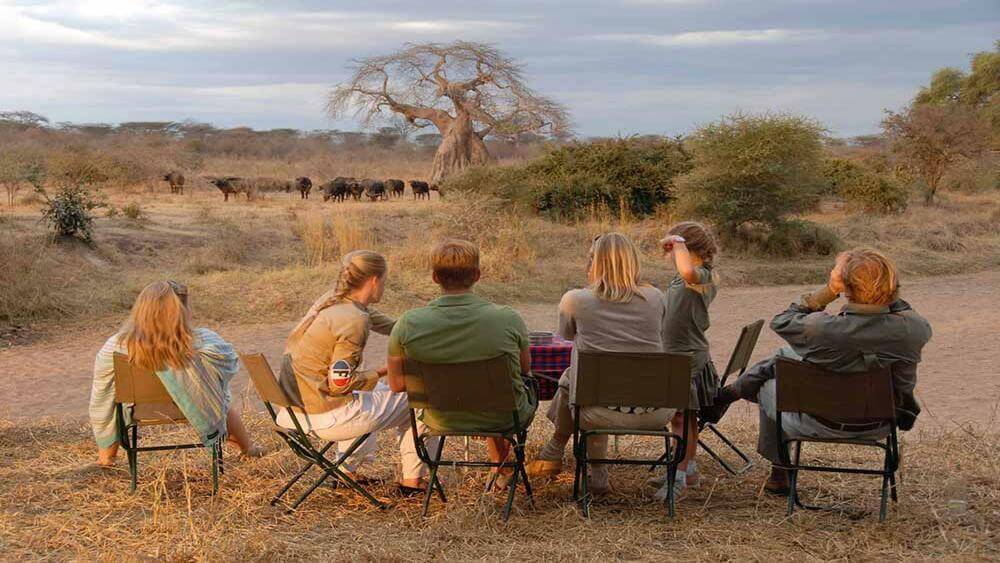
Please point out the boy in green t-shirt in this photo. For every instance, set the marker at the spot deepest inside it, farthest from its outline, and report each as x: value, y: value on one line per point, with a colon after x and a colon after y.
x: 462, y: 327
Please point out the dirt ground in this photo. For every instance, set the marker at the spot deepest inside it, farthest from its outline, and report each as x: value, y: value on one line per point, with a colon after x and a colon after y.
x: 959, y: 377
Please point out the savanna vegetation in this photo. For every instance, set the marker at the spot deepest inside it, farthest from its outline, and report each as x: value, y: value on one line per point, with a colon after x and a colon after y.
x: 87, y: 221
x: 775, y: 186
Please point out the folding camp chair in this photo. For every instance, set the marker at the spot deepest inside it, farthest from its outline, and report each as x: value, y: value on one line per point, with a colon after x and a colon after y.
x: 298, y: 440
x: 737, y: 364
x: 481, y: 386
x: 140, y: 393
x: 644, y: 380
x: 863, y: 398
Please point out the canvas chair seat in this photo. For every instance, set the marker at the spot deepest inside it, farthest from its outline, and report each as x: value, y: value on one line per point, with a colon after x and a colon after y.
x: 480, y: 386
x: 141, y: 392
x: 158, y: 413
x: 645, y: 380
x: 869, y: 395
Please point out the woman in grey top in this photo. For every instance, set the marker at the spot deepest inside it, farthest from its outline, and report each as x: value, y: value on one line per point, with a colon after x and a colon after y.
x: 615, y: 313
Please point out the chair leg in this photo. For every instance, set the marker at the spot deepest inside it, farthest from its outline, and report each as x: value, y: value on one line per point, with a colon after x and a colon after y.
x: 433, y: 478
x: 584, y: 478
x: 747, y: 462
x: 671, y: 479
x: 333, y: 470
x: 216, y: 460
x: 892, y: 487
x: 510, y: 494
x: 291, y: 482
x: 519, y: 454
x: 793, y: 491
x: 133, y: 458
x: 304, y: 495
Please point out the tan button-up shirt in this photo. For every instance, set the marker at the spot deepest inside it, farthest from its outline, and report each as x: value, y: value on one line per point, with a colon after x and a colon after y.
x: 339, y: 332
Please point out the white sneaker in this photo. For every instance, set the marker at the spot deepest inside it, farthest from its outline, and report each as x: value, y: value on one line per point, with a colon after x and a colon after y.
x: 680, y: 484
x: 657, y: 481
x: 693, y: 477
x: 691, y: 474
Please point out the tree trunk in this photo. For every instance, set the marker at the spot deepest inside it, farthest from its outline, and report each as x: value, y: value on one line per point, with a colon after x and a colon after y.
x: 460, y: 148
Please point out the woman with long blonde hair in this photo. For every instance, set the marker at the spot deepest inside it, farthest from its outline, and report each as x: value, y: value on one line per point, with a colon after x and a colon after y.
x: 194, y: 364
x: 616, y: 312
x: 321, y: 369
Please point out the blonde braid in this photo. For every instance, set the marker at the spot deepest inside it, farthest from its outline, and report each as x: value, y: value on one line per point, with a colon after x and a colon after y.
x: 357, y: 267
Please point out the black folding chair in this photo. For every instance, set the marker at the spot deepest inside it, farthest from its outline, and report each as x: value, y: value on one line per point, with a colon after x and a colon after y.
x: 849, y: 399
x: 483, y: 386
x: 643, y: 380
x: 298, y: 440
x: 737, y: 364
x: 141, y: 393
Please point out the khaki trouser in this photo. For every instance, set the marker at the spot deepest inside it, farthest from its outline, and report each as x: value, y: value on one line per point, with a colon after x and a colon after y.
x: 370, y: 412
x: 595, y: 417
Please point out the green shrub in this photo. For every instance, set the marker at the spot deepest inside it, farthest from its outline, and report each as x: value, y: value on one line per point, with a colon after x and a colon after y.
x: 133, y: 211
x: 636, y: 175
x: 796, y: 237
x: 839, y: 172
x: 753, y: 168
x: 875, y: 194
x: 68, y: 212
x: 876, y: 190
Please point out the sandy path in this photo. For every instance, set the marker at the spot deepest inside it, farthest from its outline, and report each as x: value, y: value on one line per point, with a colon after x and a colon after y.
x: 959, y: 378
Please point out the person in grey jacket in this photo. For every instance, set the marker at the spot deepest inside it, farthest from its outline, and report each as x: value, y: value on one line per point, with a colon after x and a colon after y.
x: 875, y: 328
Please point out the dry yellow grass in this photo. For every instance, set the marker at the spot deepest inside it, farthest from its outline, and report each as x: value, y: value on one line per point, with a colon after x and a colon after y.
x: 53, y: 505
x: 266, y: 260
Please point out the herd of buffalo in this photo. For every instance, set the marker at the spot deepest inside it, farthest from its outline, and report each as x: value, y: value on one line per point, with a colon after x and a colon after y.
x: 338, y: 189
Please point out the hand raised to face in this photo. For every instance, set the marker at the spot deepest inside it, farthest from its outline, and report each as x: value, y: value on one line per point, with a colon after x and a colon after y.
x: 836, y: 283
x: 669, y: 241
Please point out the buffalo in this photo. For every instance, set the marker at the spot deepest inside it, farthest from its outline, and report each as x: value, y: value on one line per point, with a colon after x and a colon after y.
x: 337, y: 189
x: 374, y: 189
x: 176, y: 181
x: 304, y: 185
x: 234, y: 185
x: 420, y: 189
x: 395, y: 187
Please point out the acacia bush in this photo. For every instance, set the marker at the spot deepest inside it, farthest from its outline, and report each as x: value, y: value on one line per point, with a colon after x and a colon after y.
x: 795, y: 237
x: 756, y: 170
x: 753, y: 168
x: 635, y: 175
x: 69, y: 211
x: 864, y: 189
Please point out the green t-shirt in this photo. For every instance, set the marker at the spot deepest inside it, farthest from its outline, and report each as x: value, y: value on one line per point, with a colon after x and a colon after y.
x: 465, y: 328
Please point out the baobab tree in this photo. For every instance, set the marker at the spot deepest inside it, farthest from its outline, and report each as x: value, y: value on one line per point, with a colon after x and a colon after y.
x: 466, y: 90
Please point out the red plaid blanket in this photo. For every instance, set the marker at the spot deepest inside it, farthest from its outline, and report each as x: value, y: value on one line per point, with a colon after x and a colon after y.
x: 551, y: 360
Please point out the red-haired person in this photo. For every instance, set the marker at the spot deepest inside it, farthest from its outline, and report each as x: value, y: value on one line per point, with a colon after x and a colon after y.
x: 194, y: 364
x: 874, y: 328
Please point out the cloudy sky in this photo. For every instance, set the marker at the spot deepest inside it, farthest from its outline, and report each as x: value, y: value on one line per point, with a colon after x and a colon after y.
x: 621, y: 66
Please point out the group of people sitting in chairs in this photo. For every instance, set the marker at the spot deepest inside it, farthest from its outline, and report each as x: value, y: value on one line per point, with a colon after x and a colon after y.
x: 333, y: 399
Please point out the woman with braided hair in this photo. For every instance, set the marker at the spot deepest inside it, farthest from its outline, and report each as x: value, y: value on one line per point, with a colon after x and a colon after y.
x: 341, y: 405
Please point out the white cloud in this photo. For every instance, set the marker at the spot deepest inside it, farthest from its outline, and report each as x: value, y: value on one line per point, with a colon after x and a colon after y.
x: 143, y: 25
x: 714, y: 38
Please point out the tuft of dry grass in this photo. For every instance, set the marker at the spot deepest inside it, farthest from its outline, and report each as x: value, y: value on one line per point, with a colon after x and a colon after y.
x: 54, y: 505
